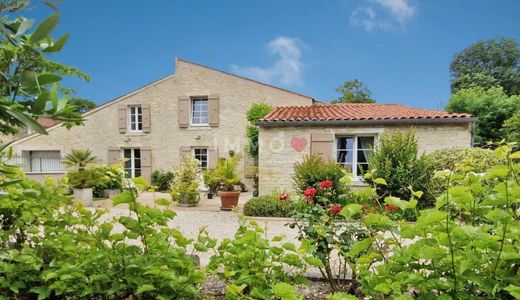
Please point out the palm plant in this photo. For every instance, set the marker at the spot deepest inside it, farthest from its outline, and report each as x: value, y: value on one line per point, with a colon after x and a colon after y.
x: 227, y: 172
x: 79, y: 159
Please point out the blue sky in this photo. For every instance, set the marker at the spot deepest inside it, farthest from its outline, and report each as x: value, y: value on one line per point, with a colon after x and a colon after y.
x: 400, y: 48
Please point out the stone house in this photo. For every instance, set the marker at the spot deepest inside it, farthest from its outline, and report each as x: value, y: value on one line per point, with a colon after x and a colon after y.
x: 346, y: 133
x: 201, y: 111
x: 197, y: 110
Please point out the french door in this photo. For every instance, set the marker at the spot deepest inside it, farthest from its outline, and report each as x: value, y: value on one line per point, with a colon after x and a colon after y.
x: 132, y: 158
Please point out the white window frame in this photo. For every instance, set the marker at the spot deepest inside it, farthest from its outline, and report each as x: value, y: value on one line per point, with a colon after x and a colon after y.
x: 137, y: 113
x: 131, y: 171
x: 354, y: 151
x: 192, y: 104
x: 195, y: 155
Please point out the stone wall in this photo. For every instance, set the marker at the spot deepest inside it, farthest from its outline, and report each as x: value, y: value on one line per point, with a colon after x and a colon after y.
x: 281, y: 147
x: 101, y: 131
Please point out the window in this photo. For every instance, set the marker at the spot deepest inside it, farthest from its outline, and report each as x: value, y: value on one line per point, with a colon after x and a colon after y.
x: 135, y: 118
x: 199, y: 111
x: 352, y: 153
x: 132, y: 158
x: 202, y: 155
x: 41, y: 161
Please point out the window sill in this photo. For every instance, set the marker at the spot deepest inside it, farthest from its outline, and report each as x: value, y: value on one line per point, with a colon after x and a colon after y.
x: 135, y: 133
x: 199, y: 127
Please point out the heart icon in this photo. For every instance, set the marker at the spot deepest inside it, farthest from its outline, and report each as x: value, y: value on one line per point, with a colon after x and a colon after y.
x: 298, y: 143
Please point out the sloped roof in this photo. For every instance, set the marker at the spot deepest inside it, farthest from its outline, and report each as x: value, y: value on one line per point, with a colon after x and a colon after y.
x: 361, y: 113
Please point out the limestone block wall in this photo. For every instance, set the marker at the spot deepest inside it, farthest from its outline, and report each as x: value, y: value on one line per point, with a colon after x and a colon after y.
x: 281, y: 147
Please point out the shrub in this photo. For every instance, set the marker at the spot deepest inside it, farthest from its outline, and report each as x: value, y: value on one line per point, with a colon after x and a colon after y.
x: 397, y: 162
x: 466, y: 247
x: 477, y: 159
x: 113, y: 179
x: 162, y: 179
x: 254, y: 267
x: 184, y: 187
x: 313, y: 170
x: 86, y: 178
x: 511, y: 128
x: 268, y: 206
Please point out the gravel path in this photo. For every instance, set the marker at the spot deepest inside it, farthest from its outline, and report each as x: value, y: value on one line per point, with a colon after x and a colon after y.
x: 220, y: 225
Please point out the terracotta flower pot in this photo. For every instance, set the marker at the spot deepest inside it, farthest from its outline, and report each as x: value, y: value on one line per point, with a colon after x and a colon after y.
x: 229, y: 200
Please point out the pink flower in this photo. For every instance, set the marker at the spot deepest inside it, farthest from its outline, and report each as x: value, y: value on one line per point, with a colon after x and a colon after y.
x: 390, y: 207
x: 335, y: 209
x: 283, y: 196
x: 309, y: 193
x: 325, y: 184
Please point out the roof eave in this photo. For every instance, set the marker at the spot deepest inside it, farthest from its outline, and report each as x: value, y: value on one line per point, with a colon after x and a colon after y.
x: 421, y: 121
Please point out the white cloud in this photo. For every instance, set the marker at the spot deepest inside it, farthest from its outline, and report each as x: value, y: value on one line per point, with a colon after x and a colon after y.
x: 383, y: 14
x: 288, y: 67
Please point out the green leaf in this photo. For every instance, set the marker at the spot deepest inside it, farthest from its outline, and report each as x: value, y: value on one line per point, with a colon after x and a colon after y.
x: 384, y: 288
x: 26, y: 119
x: 431, y: 216
x: 140, y: 183
x: 145, y: 288
x: 24, y: 26
x: 289, y: 246
x: 58, y: 44
x: 285, y: 291
x: 45, y: 28
x: 380, y: 181
x: 341, y: 296
x: 515, y: 155
x: 124, y: 197
x: 359, y: 247
x: 313, y: 261
x: 162, y: 201
x: 48, y: 78
x: 350, y: 210
x: 499, y: 171
x: 513, y: 290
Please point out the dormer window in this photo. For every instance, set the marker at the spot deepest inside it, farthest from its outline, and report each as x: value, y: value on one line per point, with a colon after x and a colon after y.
x: 135, y: 118
x: 199, y: 111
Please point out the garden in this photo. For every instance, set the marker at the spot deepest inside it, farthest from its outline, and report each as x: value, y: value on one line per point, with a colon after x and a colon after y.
x: 444, y: 225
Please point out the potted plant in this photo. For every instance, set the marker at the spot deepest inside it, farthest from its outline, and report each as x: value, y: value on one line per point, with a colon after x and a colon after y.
x: 186, y: 194
x: 228, y: 176
x: 185, y: 189
x: 212, y: 182
x: 82, y: 182
x: 113, y: 183
x: 82, y: 179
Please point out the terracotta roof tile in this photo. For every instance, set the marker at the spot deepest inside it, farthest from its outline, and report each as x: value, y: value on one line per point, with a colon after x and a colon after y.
x: 356, y: 111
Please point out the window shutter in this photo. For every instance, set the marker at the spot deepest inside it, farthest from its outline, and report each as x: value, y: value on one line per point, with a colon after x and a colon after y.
x: 145, y: 110
x: 184, y: 111
x: 249, y: 165
x: 322, y: 145
x: 213, y: 110
x: 212, y: 157
x: 122, y: 118
x: 114, y: 155
x: 146, y: 164
x: 185, y: 151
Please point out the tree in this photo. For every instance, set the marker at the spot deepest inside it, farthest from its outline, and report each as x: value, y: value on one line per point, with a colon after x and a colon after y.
x: 30, y: 82
x: 511, y: 128
x: 492, y: 107
x: 354, y: 91
x: 82, y: 105
x: 494, y: 62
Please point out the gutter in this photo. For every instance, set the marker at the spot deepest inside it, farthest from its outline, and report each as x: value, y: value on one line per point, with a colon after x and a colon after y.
x: 367, y: 122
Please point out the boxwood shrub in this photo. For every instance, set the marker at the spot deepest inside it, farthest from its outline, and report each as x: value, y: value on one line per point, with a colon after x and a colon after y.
x: 267, y: 206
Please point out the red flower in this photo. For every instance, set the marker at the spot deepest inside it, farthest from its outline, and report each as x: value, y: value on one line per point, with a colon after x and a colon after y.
x: 335, y: 209
x: 283, y: 196
x: 325, y: 184
x: 390, y: 207
x: 309, y: 193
